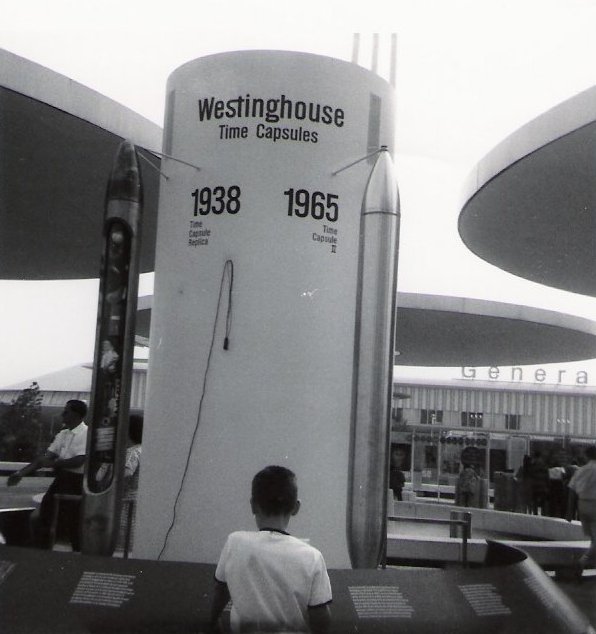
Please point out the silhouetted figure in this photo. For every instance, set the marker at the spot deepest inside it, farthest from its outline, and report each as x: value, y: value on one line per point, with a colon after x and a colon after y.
x: 397, y: 479
x: 539, y: 485
x: 468, y: 485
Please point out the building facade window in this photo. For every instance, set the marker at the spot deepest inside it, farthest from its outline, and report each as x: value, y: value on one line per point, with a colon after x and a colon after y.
x: 513, y: 422
x: 431, y: 416
x: 397, y: 414
x: 471, y: 419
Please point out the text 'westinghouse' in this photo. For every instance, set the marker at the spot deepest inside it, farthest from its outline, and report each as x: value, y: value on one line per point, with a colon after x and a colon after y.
x: 271, y: 110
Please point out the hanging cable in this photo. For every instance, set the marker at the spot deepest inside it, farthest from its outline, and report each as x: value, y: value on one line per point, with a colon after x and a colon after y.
x: 229, y: 313
x: 228, y: 271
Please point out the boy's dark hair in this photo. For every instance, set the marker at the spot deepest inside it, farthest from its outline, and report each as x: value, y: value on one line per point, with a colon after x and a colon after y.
x: 591, y: 452
x: 275, y: 491
x: 79, y: 407
x: 135, y: 428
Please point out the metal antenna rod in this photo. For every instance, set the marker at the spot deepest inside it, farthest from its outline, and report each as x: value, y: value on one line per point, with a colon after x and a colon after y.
x: 141, y: 155
x: 375, y: 53
x: 393, y: 60
x: 355, y: 48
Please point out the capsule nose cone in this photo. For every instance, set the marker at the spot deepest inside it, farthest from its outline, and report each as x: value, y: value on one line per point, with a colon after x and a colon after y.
x: 125, y: 178
x: 381, y: 191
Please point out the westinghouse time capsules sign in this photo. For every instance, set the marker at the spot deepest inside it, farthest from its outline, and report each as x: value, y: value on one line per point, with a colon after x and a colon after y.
x: 267, y: 111
x: 252, y: 338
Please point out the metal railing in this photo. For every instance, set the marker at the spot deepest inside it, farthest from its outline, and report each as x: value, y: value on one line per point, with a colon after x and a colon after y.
x: 458, y: 518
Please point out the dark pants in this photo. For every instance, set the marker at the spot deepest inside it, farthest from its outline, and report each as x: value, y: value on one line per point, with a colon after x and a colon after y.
x: 467, y: 497
x: 69, y: 512
x: 557, y: 502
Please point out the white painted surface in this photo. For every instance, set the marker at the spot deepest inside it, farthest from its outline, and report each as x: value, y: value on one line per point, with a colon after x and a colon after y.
x: 281, y: 394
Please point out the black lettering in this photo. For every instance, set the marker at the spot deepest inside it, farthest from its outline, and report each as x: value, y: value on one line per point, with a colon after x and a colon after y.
x: 258, y: 107
x: 272, y: 116
x: 285, y: 108
x: 218, y: 111
x: 205, y: 108
x: 273, y: 109
x: 327, y: 116
x: 232, y: 108
x: 314, y: 112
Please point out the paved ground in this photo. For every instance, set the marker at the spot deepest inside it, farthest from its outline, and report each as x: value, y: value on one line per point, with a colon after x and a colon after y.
x: 582, y: 593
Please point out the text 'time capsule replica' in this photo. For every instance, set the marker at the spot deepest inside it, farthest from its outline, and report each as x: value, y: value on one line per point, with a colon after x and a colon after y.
x: 373, y: 366
x: 114, y: 349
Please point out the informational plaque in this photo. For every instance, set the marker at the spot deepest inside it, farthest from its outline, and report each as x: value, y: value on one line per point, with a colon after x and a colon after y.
x: 484, y: 599
x: 380, y: 602
x: 104, y: 589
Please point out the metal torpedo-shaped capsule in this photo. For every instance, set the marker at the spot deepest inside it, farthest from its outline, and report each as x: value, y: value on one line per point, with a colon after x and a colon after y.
x: 114, y: 351
x: 373, y: 366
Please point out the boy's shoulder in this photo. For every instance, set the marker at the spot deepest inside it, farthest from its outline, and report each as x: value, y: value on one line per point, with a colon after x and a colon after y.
x: 241, y: 536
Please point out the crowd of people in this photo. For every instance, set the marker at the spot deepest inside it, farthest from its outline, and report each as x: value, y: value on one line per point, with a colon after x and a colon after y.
x: 543, y: 484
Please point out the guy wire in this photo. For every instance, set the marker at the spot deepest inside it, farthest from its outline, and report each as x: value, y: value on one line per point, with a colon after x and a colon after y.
x: 228, y: 266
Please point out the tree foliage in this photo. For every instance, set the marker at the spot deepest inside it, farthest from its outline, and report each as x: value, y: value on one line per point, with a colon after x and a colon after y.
x: 20, y: 426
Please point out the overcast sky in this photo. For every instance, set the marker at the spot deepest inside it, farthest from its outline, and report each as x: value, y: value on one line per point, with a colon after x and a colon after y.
x: 468, y: 74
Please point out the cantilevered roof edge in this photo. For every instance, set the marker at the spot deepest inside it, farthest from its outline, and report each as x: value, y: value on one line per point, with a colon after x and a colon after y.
x: 560, y: 120
x: 38, y: 82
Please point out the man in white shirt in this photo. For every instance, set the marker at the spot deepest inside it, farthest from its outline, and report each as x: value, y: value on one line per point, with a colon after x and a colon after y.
x: 66, y: 455
x: 582, y: 493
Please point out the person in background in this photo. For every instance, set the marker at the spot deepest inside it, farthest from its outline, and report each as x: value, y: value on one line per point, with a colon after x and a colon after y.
x: 277, y: 583
x: 556, y: 488
x: 66, y: 456
x: 582, y: 496
x: 524, y: 486
x: 570, y: 470
x: 131, y: 478
x: 133, y: 457
x: 539, y: 485
x: 397, y: 479
x: 468, y: 484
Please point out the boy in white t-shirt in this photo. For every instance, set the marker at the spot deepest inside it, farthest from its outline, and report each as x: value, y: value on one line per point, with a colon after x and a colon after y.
x: 277, y: 583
